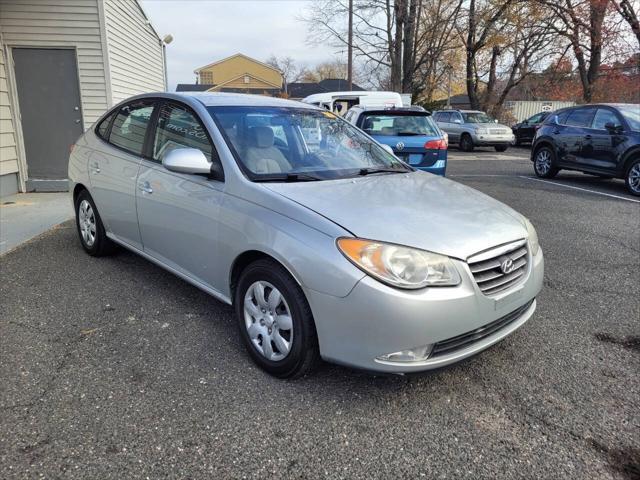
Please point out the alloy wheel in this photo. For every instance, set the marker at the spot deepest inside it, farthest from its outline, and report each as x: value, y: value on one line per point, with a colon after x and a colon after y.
x: 87, y: 222
x: 633, y: 178
x: 268, y: 321
x: 543, y: 161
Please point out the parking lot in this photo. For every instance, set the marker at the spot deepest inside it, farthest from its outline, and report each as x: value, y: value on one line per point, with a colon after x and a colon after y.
x: 113, y: 368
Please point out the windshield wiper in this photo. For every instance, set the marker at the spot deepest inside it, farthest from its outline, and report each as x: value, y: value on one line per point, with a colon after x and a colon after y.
x: 369, y: 171
x: 289, y: 177
x: 409, y: 134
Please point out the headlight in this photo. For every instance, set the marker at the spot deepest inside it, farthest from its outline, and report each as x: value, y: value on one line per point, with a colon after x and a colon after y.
x: 399, y: 266
x: 481, y: 131
x: 533, y: 237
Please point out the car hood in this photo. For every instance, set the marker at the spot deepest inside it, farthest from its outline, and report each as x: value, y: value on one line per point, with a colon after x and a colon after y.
x: 415, y: 209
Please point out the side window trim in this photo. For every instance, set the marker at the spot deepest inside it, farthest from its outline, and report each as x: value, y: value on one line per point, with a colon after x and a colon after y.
x: 111, y: 116
x: 149, y: 142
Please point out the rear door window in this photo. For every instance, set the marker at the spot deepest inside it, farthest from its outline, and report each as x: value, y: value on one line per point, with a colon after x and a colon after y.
x: 130, y: 126
x: 580, y: 117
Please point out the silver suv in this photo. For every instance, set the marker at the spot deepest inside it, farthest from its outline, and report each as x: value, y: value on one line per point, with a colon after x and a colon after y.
x: 472, y: 128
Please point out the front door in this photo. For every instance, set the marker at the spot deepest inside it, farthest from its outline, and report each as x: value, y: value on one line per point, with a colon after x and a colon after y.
x: 177, y: 212
x: 50, y: 111
x: 601, y: 149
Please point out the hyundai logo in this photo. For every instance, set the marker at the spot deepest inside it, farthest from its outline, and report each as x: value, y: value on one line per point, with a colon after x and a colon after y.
x: 507, y: 266
x: 399, y: 146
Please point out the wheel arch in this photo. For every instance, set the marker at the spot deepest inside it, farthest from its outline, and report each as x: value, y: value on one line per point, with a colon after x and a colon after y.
x: 629, y: 157
x: 543, y: 142
x: 79, y: 187
x: 246, y: 258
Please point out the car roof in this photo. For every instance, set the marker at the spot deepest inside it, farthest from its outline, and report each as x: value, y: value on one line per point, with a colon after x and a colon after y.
x: 382, y: 108
x: 216, y: 99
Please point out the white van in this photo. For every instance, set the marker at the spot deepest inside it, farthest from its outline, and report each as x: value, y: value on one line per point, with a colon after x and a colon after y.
x: 340, y: 102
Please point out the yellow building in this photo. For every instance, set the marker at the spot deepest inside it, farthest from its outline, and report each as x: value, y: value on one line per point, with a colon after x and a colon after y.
x: 237, y: 73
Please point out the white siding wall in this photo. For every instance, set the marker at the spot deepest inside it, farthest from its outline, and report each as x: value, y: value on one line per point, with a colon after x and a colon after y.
x: 135, y: 51
x: 62, y: 23
x: 8, y: 149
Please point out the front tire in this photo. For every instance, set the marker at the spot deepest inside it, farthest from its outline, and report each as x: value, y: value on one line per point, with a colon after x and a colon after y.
x: 632, y: 178
x: 544, y: 163
x: 275, y: 320
x: 501, y: 148
x: 466, y: 143
x: 90, y: 228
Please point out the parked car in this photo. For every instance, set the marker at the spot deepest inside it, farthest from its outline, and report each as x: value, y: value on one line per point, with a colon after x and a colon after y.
x: 525, y: 131
x: 472, y: 128
x: 341, y: 102
x: 410, y: 132
x: 602, y: 139
x: 326, y: 244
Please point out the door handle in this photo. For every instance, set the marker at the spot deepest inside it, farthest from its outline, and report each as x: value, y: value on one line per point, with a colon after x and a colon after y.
x: 587, y: 137
x: 96, y: 167
x: 145, y: 187
x: 78, y: 120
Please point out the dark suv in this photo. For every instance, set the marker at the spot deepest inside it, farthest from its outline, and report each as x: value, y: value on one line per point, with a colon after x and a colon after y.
x: 603, y: 140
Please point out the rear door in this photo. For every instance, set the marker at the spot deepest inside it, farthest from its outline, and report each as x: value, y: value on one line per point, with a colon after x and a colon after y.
x: 178, y: 212
x: 113, y: 169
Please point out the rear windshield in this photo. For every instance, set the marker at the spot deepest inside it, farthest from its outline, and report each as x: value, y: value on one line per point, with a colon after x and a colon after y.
x: 391, y: 124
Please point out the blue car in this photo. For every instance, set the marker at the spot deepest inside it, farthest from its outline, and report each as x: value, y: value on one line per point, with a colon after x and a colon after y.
x: 411, y: 133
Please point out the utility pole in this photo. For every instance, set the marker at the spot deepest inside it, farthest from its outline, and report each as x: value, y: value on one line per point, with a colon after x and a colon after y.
x: 350, y: 49
x: 450, y: 68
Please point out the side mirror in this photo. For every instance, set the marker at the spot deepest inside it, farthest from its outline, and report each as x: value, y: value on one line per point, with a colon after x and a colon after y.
x: 388, y: 149
x: 458, y: 121
x: 186, y: 160
x: 525, y: 122
x: 613, y: 128
x: 554, y: 120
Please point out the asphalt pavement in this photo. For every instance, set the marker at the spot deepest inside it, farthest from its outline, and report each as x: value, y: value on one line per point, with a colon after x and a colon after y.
x: 113, y: 368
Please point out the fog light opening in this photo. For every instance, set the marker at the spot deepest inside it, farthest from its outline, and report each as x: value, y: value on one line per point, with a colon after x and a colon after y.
x: 411, y: 355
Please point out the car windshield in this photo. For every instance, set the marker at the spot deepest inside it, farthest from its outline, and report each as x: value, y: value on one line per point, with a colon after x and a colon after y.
x: 391, y: 124
x: 477, y: 117
x: 631, y: 113
x: 298, y: 144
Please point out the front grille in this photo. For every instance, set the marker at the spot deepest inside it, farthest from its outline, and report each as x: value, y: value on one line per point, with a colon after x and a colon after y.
x: 490, y: 273
x: 465, y: 340
x: 498, y: 131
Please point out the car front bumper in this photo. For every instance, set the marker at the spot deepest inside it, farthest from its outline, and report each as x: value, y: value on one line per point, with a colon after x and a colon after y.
x: 376, y: 320
x: 493, y: 139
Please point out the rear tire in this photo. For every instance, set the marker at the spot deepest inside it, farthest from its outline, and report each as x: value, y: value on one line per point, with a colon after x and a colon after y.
x: 632, y: 177
x: 466, y: 143
x: 91, y: 231
x: 501, y: 148
x: 544, y: 163
x: 271, y: 307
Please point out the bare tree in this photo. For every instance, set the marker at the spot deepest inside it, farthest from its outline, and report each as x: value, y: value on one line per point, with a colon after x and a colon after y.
x: 630, y: 15
x: 291, y: 70
x: 484, y: 20
x: 581, y: 23
x: 400, y: 43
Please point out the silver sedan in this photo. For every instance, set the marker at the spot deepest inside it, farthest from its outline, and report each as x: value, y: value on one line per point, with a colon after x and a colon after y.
x: 326, y: 244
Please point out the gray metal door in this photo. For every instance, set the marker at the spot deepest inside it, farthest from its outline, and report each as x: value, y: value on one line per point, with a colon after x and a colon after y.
x: 50, y: 110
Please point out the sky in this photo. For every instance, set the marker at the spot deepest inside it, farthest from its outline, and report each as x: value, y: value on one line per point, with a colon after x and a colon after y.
x: 205, y: 31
